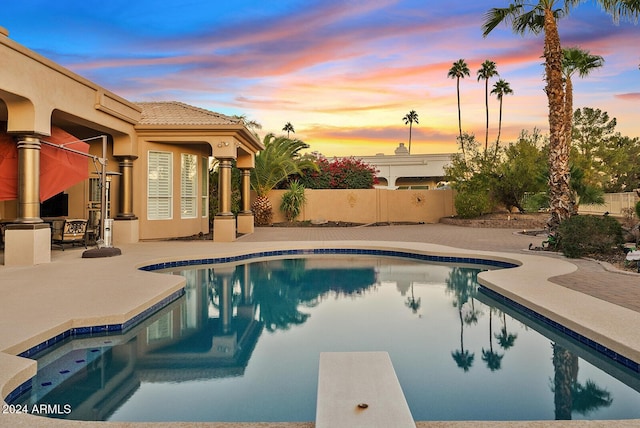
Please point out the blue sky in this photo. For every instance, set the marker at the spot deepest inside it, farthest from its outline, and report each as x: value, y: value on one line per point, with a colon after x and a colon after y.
x: 344, y: 73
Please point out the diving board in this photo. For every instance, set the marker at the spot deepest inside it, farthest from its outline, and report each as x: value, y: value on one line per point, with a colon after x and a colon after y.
x: 360, y: 389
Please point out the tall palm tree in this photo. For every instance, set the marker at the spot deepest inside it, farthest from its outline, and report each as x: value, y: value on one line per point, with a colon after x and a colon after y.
x: 409, y: 118
x: 487, y: 71
x: 541, y: 17
x: 279, y: 159
x: 500, y: 89
x: 458, y: 70
x: 289, y: 128
x: 575, y: 60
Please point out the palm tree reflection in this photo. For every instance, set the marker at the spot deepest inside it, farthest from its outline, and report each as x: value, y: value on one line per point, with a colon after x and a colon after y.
x: 505, y: 339
x: 492, y: 358
x: 284, y: 286
x: 413, y: 303
x: 462, y: 357
x: 462, y: 284
x: 569, y: 394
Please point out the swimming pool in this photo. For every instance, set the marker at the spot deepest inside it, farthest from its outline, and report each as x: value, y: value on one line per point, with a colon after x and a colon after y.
x: 243, y: 342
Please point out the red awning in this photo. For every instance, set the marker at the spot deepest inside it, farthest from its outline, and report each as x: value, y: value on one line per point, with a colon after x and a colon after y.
x: 59, y: 169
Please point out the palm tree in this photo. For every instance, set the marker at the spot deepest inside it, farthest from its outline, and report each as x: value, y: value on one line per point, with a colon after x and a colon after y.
x: 487, y: 71
x: 279, y: 159
x: 458, y: 70
x: 250, y: 124
x: 289, y: 128
x: 409, y: 118
x: 500, y: 89
x: 575, y: 60
x: 542, y: 16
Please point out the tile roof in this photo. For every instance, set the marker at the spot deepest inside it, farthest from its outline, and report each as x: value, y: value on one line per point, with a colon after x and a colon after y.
x: 177, y: 113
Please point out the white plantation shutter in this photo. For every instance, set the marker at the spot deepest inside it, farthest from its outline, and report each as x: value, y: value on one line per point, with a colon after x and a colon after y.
x: 204, y: 187
x: 159, y: 186
x: 189, y: 186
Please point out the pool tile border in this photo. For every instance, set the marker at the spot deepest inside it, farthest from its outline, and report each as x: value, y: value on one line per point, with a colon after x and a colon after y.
x: 350, y: 251
x: 609, y: 353
x: 77, y: 332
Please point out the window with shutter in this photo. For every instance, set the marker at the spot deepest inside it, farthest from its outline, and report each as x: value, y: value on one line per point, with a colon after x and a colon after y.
x: 159, y: 186
x: 189, y: 186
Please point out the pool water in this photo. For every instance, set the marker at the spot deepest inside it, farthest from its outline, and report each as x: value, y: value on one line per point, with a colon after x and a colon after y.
x: 243, y: 344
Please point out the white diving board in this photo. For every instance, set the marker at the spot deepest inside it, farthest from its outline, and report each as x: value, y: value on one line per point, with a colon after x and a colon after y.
x: 360, y: 389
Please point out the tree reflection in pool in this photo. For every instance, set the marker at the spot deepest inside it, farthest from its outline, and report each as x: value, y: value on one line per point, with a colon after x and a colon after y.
x: 243, y: 344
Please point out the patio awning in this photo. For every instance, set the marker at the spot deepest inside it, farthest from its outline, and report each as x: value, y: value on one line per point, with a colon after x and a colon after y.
x: 59, y: 168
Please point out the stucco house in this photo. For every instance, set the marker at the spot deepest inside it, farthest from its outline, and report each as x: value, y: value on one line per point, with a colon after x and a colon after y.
x: 157, y: 156
x: 404, y: 171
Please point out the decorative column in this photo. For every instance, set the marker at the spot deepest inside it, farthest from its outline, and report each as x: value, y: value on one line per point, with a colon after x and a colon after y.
x: 224, y: 188
x: 29, y: 181
x: 224, y: 222
x: 245, y: 216
x: 125, y: 195
x: 126, y: 225
x: 28, y: 240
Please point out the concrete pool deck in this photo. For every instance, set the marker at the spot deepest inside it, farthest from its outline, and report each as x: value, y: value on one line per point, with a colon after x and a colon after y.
x: 39, y: 302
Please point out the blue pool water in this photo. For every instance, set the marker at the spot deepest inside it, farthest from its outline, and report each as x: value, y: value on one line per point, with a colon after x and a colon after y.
x: 243, y: 344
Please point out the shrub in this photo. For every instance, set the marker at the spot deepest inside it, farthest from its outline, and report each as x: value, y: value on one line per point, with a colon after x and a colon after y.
x: 535, y: 202
x: 339, y: 173
x: 472, y: 203
x: 638, y: 209
x: 581, y: 235
x: 293, y: 200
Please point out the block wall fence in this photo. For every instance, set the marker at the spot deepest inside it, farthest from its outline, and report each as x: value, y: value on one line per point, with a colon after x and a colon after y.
x: 371, y: 205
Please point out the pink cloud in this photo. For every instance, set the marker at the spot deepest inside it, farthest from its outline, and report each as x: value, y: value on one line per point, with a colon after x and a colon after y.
x: 631, y: 96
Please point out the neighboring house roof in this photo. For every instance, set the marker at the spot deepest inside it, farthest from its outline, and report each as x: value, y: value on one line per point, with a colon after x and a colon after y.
x: 177, y: 113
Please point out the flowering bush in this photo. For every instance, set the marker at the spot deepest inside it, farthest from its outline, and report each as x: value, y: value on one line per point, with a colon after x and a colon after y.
x: 340, y: 173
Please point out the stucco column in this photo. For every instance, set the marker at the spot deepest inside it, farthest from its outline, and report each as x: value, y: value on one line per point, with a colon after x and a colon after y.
x: 224, y: 222
x: 126, y: 228
x: 125, y: 194
x: 245, y: 191
x: 224, y: 188
x: 28, y: 239
x: 245, y: 216
x: 28, y: 180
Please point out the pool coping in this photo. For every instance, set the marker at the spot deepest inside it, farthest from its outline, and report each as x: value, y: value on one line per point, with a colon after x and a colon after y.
x: 522, y: 285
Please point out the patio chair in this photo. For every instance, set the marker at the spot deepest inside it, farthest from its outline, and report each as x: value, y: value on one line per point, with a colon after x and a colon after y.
x: 73, y: 231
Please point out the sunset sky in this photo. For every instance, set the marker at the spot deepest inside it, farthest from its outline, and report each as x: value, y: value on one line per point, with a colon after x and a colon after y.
x: 344, y: 73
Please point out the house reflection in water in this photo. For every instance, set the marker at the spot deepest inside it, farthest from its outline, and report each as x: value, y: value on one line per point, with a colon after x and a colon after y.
x: 197, y: 337
x: 208, y: 333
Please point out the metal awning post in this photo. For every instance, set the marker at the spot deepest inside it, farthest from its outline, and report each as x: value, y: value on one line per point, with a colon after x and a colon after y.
x: 108, y: 250
x: 103, y: 188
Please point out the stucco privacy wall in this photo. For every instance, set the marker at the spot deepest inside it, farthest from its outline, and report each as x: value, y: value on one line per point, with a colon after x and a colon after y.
x: 371, y: 205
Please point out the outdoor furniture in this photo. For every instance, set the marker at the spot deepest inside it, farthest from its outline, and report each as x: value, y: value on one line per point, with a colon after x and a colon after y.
x: 69, y: 231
